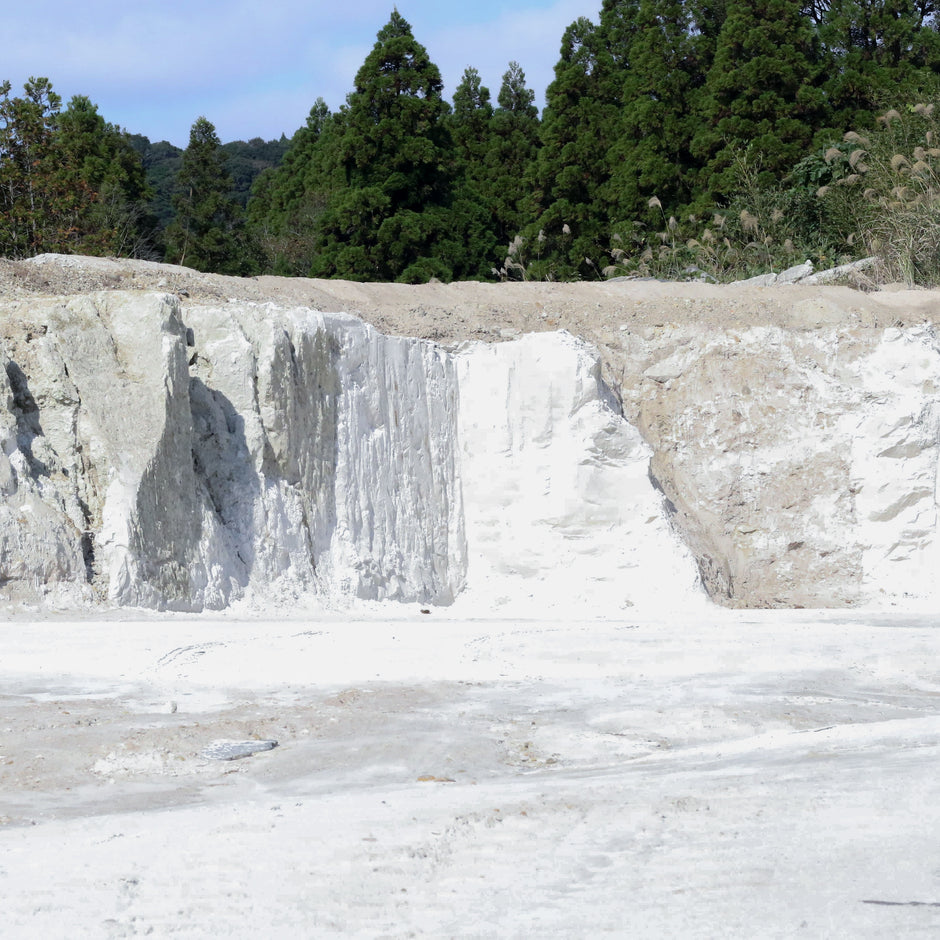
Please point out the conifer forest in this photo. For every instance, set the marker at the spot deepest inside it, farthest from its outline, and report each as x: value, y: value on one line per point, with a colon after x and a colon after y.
x: 679, y: 139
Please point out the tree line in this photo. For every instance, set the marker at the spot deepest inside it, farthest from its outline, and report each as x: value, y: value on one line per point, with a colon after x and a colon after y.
x: 71, y: 182
x: 678, y: 136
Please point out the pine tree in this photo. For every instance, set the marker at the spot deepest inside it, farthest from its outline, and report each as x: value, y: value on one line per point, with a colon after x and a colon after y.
x: 205, y: 232
x: 514, y: 96
x: 762, y: 92
x: 652, y: 153
x: 397, y: 156
x: 511, y: 157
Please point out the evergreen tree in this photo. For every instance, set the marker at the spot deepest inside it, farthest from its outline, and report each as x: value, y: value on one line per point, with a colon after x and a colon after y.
x: 618, y: 30
x: 69, y: 182
x: 514, y: 96
x: 472, y: 192
x: 389, y: 221
x: 762, y: 91
x: 247, y: 160
x: 33, y: 207
x: 511, y: 156
x: 469, y: 122
x: 98, y: 165
x: 162, y: 162
x: 578, y: 128
x: 882, y: 52
x: 205, y: 232
x: 708, y: 17
x: 288, y: 202
x: 652, y: 153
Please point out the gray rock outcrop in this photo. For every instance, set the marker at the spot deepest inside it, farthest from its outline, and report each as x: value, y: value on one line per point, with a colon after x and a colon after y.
x: 151, y: 463
x: 181, y: 459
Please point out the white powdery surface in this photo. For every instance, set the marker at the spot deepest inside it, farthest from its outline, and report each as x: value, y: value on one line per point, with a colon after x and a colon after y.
x: 895, y: 460
x: 732, y: 775
x: 561, y: 513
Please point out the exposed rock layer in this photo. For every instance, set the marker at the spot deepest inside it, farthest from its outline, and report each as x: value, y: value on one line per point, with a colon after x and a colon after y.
x: 166, y: 465
x: 176, y: 453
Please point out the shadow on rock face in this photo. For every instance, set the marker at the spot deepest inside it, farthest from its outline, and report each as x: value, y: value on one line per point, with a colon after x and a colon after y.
x: 28, y: 427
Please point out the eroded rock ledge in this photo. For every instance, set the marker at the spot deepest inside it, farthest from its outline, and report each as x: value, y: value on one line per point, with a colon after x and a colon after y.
x: 169, y: 464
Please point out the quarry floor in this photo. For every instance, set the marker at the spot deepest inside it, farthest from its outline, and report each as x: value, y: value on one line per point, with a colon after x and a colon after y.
x: 722, y: 774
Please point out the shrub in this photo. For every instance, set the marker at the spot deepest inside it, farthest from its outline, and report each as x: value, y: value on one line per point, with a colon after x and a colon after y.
x: 886, y: 192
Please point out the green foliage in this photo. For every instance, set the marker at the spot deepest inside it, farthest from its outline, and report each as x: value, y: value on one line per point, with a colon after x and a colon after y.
x: 763, y: 229
x: 469, y: 122
x: 762, y: 90
x: 287, y: 202
x: 884, y: 194
x: 69, y: 182
x: 247, y: 160
x: 399, y: 211
x: 162, y: 162
x: 33, y: 206
x: 97, y: 161
x: 205, y: 233
x: 651, y: 155
x: 577, y: 131
x: 472, y: 187
x: 880, y: 53
x: 510, y: 159
x: 679, y: 137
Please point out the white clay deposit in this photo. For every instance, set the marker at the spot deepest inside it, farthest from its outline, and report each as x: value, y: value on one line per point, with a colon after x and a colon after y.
x: 254, y: 450
x: 561, y: 512
x: 186, y: 459
x: 312, y: 628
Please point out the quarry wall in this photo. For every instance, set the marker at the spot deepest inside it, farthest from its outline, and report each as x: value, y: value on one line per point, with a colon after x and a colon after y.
x: 183, y: 457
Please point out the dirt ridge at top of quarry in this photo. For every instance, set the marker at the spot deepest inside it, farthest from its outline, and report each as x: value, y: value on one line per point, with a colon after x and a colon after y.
x: 777, y: 445
x: 465, y: 310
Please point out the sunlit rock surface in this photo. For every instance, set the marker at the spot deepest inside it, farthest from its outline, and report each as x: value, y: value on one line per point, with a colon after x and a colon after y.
x: 169, y: 465
x: 802, y: 463
x: 165, y: 459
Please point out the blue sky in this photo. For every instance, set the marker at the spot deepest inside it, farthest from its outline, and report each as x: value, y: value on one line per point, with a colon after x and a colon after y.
x: 255, y: 68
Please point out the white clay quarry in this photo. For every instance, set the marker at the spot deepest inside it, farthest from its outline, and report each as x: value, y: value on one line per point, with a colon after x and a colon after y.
x: 465, y: 588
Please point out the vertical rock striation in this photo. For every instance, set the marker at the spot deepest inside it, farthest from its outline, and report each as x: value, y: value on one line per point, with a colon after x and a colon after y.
x: 177, y: 466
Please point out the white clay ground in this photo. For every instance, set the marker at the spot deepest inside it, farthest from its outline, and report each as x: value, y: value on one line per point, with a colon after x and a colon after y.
x: 721, y: 774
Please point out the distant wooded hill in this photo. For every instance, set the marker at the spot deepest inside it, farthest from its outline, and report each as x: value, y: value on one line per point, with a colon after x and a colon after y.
x: 245, y: 161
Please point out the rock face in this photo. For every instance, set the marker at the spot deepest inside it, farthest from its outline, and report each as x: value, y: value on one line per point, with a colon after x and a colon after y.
x: 174, y: 466
x: 177, y: 459
x: 328, y: 456
x: 802, y: 464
